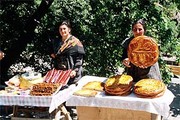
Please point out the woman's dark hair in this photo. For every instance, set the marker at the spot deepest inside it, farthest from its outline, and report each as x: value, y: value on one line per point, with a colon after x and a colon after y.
x: 67, y: 23
x: 140, y: 21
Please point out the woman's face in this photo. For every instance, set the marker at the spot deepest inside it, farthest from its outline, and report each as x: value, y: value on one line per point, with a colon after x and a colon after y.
x: 64, y: 31
x: 138, y: 30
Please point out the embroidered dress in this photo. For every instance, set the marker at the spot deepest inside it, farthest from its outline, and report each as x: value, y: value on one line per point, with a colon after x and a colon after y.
x: 69, y: 55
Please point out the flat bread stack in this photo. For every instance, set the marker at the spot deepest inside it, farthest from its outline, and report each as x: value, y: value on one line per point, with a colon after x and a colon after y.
x: 149, y: 88
x: 119, y: 85
x: 143, y: 51
x: 90, y: 89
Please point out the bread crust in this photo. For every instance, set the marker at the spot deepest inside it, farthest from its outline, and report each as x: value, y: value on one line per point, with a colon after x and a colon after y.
x: 118, y: 88
x: 85, y: 93
x: 149, y: 88
x: 119, y: 85
x: 155, y: 96
x: 119, y: 80
x: 123, y: 93
x: 143, y: 51
x: 94, y: 85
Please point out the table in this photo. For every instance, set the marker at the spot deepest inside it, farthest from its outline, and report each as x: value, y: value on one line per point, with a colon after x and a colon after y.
x: 53, y: 102
x: 101, y: 105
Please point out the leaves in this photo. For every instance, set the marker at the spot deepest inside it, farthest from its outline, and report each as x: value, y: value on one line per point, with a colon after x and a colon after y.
x: 101, y: 25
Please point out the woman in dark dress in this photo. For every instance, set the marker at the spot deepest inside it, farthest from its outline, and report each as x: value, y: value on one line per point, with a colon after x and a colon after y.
x: 68, y: 52
x: 138, y: 73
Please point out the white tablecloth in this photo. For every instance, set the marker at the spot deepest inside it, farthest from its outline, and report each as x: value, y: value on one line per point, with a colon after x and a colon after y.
x: 41, y: 101
x: 25, y: 100
x: 61, y: 97
x: 156, y: 105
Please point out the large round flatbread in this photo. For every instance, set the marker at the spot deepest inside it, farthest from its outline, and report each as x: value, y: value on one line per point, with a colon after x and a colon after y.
x: 143, y: 51
x: 149, y: 88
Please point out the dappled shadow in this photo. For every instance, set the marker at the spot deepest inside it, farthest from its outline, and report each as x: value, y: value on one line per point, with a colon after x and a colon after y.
x: 175, y: 105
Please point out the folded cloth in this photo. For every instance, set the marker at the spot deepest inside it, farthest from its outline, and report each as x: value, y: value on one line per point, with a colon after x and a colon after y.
x: 58, y: 76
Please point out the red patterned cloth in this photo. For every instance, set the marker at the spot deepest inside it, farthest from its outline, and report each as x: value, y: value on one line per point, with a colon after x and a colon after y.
x: 57, y: 76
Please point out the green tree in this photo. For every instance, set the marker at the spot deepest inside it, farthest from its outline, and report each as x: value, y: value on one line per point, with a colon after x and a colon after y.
x: 100, y: 24
x: 19, y: 20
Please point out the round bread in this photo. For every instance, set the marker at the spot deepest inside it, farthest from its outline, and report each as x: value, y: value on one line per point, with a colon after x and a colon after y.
x: 118, y: 88
x: 119, y: 85
x: 155, y: 96
x: 149, y: 87
x: 121, y: 93
x: 119, y: 80
x: 143, y: 51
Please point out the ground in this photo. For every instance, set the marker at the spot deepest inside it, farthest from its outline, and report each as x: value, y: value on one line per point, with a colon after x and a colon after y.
x: 174, y: 87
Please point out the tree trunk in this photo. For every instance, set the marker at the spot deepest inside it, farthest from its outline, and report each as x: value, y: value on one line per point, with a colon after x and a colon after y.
x: 26, y: 37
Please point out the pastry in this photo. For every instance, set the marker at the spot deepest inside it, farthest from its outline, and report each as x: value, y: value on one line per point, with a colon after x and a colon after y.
x: 149, y: 88
x: 143, y: 51
x: 14, y: 82
x: 155, y: 96
x: 121, y: 92
x: 118, y: 88
x: 94, y: 85
x: 119, y: 85
x: 25, y: 84
x: 44, y: 89
x: 124, y: 93
x: 85, y: 93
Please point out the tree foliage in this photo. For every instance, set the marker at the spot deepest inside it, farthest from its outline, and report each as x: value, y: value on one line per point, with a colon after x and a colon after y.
x: 100, y: 24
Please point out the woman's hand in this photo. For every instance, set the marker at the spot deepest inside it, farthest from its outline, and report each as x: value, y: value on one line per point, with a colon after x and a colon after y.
x: 73, y: 74
x: 1, y: 55
x: 53, y: 55
x: 143, y: 67
x: 126, y: 62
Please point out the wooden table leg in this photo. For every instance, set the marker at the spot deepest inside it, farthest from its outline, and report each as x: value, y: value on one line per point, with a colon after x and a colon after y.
x: 15, y: 110
x: 65, y: 112
x: 57, y: 114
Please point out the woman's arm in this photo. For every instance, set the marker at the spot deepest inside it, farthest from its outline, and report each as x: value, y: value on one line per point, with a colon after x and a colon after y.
x: 125, y: 60
x: 77, y: 65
